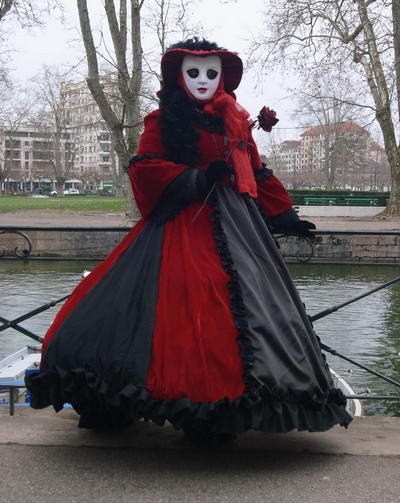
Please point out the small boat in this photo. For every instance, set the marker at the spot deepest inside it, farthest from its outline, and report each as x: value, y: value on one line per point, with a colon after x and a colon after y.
x: 12, y: 374
x: 354, y: 405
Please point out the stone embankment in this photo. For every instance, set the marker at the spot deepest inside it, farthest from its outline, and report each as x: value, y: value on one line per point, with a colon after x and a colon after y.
x: 359, y: 237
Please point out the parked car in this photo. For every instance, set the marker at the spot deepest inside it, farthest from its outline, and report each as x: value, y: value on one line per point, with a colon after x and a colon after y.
x: 104, y: 192
x: 71, y: 192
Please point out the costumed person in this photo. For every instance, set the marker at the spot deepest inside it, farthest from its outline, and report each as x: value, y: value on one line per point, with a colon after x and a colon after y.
x: 194, y: 318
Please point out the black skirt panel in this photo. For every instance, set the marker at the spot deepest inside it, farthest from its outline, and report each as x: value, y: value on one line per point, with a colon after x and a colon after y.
x: 104, y: 344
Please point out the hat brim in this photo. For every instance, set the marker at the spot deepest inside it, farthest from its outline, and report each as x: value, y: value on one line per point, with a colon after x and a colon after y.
x: 232, y: 66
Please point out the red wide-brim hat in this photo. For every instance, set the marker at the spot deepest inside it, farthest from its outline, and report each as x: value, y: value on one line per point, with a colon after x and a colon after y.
x: 232, y: 66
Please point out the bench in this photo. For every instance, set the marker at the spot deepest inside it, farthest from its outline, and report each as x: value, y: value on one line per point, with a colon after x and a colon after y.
x: 360, y: 201
x: 320, y: 201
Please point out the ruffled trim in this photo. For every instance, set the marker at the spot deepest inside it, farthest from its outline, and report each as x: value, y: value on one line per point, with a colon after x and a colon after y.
x: 236, y: 300
x: 99, y: 405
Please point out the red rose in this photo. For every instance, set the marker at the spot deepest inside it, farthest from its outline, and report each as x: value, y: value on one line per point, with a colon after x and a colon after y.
x: 267, y: 119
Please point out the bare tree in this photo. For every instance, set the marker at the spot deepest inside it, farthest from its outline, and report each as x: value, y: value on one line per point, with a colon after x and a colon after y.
x: 364, y: 35
x: 124, y: 122
x: 10, y: 165
x: 327, y: 100
x: 166, y: 21
x: 125, y: 58
x: 25, y: 14
x: 13, y: 113
x: 5, y: 6
x: 28, y: 12
x: 51, y: 119
x: 158, y: 19
x: 335, y: 147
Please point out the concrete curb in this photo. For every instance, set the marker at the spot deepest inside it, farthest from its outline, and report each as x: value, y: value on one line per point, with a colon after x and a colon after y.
x: 367, y: 436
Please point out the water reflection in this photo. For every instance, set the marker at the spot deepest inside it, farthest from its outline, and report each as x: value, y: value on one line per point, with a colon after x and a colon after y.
x: 367, y: 331
x: 26, y: 285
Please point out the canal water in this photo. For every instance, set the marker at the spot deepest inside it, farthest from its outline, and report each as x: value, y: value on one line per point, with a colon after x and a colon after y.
x: 367, y: 331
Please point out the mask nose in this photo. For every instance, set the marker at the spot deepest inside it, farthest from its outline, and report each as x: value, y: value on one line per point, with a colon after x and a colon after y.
x: 203, y: 78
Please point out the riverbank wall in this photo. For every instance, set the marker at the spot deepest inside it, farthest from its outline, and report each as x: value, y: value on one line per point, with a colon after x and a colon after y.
x: 351, y: 234
x: 97, y: 242
x: 59, y: 242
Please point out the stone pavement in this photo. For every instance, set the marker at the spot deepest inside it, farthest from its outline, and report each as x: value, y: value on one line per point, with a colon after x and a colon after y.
x: 325, y: 218
x: 63, y: 219
x: 45, y: 457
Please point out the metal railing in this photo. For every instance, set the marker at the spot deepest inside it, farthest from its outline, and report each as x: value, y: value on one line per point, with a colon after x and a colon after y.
x: 19, y: 253
x: 302, y: 249
x: 299, y: 247
x: 91, y: 248
x: 15, y: 324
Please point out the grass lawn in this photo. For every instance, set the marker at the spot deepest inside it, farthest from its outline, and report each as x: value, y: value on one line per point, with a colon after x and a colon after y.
x: 67, y: 204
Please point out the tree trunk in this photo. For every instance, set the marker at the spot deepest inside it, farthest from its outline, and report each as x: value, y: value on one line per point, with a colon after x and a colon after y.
x: 392, y: 210
x: 124, y: 128
x: 354, y: 33
x: 5, y: 6
x: 377, y: 83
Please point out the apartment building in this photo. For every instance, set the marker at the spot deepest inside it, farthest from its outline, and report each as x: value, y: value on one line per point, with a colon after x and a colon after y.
x: 27, y: 154
x: 288, y: 157
x: 93, y: 142
x: 27, y: 157
x: 340, y: 155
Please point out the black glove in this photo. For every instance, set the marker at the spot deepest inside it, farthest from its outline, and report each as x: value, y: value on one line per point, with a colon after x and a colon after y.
x: 301, y: 228
x: 215, y: 172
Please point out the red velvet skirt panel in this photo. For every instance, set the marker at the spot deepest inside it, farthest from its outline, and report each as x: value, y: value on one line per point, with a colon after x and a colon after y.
x: 195, y: 352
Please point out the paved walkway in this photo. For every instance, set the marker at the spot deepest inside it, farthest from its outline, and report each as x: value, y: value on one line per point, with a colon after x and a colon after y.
x: 45, y: 457
x: 63, y: 219
x: 334, y: 221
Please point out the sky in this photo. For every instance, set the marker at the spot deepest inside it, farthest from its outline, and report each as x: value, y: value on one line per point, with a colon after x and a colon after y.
x: 231, y: 24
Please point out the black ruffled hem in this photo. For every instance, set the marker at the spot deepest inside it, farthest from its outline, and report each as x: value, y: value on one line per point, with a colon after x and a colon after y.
x: 99, y: 405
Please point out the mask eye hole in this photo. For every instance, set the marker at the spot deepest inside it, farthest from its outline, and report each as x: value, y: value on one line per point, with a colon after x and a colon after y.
x: 193, y: 73
x: 212, y: 74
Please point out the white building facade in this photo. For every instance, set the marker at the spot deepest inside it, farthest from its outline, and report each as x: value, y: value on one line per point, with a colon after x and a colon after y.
x: 94, y: 157
x: 341, y: 156
x: 27, y: 154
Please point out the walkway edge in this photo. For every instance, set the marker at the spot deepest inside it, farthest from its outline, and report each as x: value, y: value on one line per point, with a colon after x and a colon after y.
x: 367, y: 436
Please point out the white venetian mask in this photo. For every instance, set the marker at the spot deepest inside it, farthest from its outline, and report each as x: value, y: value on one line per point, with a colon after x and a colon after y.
x: 201, y: 75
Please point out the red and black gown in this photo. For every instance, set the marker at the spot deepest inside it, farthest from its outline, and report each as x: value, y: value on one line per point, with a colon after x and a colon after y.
x: 193, y: 318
